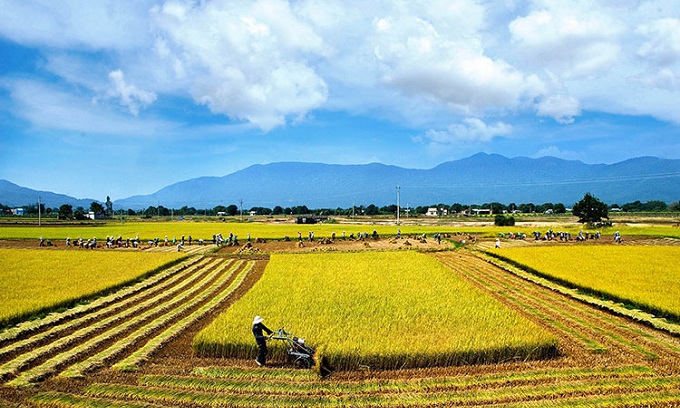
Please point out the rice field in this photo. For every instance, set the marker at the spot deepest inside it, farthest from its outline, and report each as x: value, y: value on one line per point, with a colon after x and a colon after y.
x: 606, y: 361
x: 278, y: 230
x: 122, y: 329
x: 35, y: 280
x: 205, y: 230
x: 373, y: 313
x: 378, y: 310
x: 645, y: 276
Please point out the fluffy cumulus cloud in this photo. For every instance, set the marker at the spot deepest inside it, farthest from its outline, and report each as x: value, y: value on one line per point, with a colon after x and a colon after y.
x: 571, y: 39
x: 269, y: 63
x: 660, y: 51
x: 662, y: 41
x: 435, y: 51
x: 563, y: 108
x: 246, y: 60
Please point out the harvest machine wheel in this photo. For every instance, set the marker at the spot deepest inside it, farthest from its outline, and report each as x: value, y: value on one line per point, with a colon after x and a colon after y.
x: 303, y: 362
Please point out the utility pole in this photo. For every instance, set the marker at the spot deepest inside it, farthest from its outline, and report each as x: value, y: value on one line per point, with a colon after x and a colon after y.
x: 398, y: 202
x: 39, y: 221
x: 241, y: 202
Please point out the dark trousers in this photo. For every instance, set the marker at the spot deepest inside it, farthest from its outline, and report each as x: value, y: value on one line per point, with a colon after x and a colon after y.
x: 262, y: 355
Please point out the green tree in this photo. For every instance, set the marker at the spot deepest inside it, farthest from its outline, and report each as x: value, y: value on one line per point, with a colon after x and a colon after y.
x: 590, y: 209
x: 527, y: 208
x: 389, y: 209
x: 501, y: 220
x: 65, y: 212
x: 456, y: 207
x: 631, y: 207
x: 371, y: 209
x: 79, y: 214
x: 496, y: 207
x: 150, y: 211
x: 654, y: 205
x: 300, y: 210
x: 261, y: 210
x: 232, y: 210
x: 97, y: 208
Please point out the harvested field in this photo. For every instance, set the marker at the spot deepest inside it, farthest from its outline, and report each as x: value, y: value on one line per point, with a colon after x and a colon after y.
x: 604, y: 359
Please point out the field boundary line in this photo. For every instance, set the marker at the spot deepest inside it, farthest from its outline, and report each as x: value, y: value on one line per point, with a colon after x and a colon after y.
x: 649, y: 319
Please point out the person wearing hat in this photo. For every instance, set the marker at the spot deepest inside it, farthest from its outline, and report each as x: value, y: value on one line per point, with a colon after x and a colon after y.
x: 258, y: 329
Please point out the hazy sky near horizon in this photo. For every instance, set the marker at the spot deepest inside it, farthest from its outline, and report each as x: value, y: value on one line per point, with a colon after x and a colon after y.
x: 117, y: 98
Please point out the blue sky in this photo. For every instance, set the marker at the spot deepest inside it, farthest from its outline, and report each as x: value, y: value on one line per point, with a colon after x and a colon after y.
x: 112, y: 98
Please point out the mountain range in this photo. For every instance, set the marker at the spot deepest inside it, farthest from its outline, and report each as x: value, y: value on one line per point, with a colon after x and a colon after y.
x: 478, y: 179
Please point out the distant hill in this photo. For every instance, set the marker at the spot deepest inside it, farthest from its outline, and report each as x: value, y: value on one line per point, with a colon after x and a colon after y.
x: 478, y: 179
x: 13, y: 195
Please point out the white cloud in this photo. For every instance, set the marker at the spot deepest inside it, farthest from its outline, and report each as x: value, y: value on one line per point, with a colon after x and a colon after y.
x: 106, y: 24
x: 664, y: 78
x: 554, y: 151
x: 470, y: 131
x: 437, y: 52
x: 249, y: 60
x: 129, y: 95
x: 562, y: 108
x: 662, y: 44
x: 571, y: 39
x: 660, y: 53
x: 50, y: 107
x: 422, y: 63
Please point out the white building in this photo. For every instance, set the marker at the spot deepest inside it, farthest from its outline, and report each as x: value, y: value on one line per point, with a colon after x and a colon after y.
x: 436, y: 212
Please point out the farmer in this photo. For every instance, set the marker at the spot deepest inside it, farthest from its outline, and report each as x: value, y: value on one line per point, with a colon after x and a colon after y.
x: 258, y: 328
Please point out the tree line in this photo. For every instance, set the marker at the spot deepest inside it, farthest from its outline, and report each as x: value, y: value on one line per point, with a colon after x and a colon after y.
x: 68, y: 212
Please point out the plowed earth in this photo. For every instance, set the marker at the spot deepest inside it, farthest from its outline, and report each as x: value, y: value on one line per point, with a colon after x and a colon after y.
x: 74, y: 358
